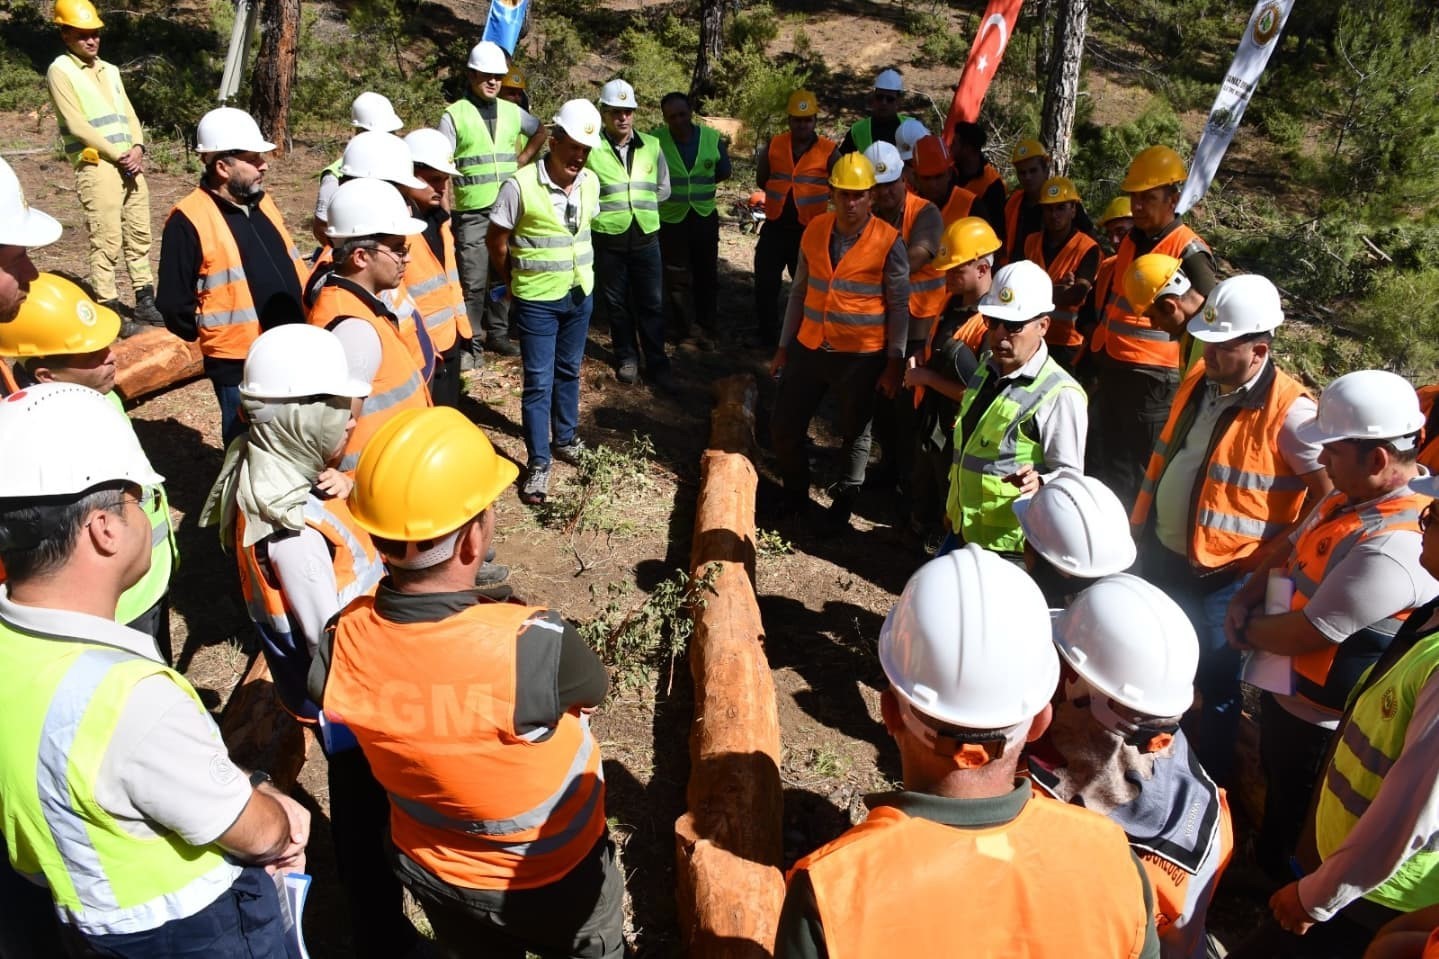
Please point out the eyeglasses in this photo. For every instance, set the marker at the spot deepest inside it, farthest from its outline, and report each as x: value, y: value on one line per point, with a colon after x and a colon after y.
x: 399, y: 254
x: 1426, y: 517
x: 149, y: 500
x: 1011, y: 327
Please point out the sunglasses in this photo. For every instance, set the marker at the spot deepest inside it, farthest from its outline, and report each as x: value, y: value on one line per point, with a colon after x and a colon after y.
x: 1012, y: 327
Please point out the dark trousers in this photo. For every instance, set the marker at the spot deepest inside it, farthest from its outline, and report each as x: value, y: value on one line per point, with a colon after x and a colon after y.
x: 894, y: 423
x: 1126, y: 415
x: 629, y: 295
x: 28, y: 927
x: 1291, y: 753
x: 155, y: 622
x: 776, y: 251
x: 807, y: 377
x: 928, y: 487
x: 231, y: 426
x: 690, y: 251
x: 447, y: 383
x: 488, y: 316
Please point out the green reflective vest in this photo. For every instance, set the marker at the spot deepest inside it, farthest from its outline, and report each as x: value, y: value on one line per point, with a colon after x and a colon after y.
x: 163, y: 555
x: 333, y: 169
x: 627, y: 196
x: 104, y: 116
x: 1369, y: 744
x: 980, y: 503
x: 691, y: 188
x: 862, y: 136
x: 63, y: 700
x: 546, y: 259
x: 484, y: 162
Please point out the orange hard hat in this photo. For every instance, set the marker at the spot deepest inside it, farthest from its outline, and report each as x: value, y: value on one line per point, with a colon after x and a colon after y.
x: 930, y: 156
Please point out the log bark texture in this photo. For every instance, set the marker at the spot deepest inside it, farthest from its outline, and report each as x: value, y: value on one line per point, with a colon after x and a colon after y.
x: 259, y: 732
x: 154, y: 360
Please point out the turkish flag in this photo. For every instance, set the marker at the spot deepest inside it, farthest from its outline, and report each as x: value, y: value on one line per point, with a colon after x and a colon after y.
x: 984, y: 57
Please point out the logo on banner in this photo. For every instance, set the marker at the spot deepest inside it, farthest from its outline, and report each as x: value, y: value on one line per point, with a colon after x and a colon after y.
x: 1266, y: 25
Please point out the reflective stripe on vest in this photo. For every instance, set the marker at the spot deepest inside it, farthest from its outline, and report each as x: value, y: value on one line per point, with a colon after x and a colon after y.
x: 691, y: 188
x: 484, y: 162
x: 927, y: 291
x: 106, y: 116
x: 225, y: 311
x: 436, y: 288
x: 163, y: 554
x: 1062, y: 331
x: 473, y: 800
x: 627, y: 196
x: 807, y: 179
x: 1248, y: 493
x: 414, y: 332
x: 63, y: 702
x: 980, y: 502
x: 844, y: 302
x: 546, y: 260
x: 1126, y: 336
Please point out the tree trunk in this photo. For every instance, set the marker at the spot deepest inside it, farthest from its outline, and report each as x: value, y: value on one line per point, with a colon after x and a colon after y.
x: 1043, y: 41
x: 275, y: 70
x: 711, y: 46
x: 1061, y: 93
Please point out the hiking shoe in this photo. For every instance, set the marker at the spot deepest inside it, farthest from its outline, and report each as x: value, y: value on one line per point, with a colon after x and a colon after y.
x: 128, y: 327
x: 491, y: 574
x: 471, y: 361
x: 145, y: 310
x: 628, y: 372
x: 569, y: 452
x: 502, y: 345
x: 536, y: 486
x: 664, y: 381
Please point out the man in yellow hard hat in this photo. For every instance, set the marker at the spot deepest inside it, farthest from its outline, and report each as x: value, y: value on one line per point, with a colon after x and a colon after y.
x: 1022, y: 211
x: 1071, y: 258
x: 106, y: 145
x: 515, y: 88
x: 474, y: 715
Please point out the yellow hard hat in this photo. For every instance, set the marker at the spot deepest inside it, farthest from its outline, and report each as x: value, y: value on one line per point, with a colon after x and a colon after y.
x: 426, y: 473
x: 853, y: 171
x: 1154, y: 166
x: 514, y: 80
x: 79, y: 14
x: 1151, y: 276
x: 1118, y: 209
x: 1028, y: 150
x: 965, y: 239
x: 1058, y: 189
x: 802, y: 104
x: 58, y: 319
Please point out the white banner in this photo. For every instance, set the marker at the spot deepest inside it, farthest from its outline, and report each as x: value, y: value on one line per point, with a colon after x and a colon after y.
x: 1260, y: 39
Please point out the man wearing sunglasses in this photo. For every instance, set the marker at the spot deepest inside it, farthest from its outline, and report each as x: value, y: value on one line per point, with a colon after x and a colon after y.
x: 884, y: 117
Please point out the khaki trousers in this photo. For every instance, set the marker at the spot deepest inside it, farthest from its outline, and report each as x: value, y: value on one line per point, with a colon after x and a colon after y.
x: 117, y: 214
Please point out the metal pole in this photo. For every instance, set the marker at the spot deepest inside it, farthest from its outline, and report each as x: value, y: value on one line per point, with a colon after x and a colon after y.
x: 240, y: 33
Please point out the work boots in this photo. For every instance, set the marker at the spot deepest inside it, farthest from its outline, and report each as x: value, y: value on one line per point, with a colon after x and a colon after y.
x: 128, y: 327
x: 145, y: 310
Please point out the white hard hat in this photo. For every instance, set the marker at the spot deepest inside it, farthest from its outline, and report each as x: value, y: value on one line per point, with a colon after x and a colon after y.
x: 380, y: 156
x: 99, y: 444
x: 1237, y: 307
x: 1133, y: 643
x: 226, y: 128
x: 489, y: 57
x: 617, y: 93
x: 20, y: 223
x: 374, y: 111
x: 885, y: 159
x: 295, y: 360
x: 433, y: 149
x: 1366, y: 405
x: 910, y: 132
x: 969, y: 642
x: 580, y: 121
x: 1078, y: 525
x: 370, y: 207
x: 1020, y: 291
x: 889, y: 81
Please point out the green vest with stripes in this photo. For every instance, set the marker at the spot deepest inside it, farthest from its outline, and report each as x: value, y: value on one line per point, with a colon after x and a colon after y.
x: 862, y: 135
x: 691, y: 188
x: 627, y: 196
x: 163, y: 553
x: 105, y: 117
x: 333, y: 169
x: 484, y: 162
x: 546, y: 259
x: 980, y: 504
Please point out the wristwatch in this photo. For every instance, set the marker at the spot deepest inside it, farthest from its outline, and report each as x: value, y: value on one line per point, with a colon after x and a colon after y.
x: 259, y: 777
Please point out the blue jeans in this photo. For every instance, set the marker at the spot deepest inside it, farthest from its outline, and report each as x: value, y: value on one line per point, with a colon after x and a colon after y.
x: 1217, y: 725
x: 231, y: 425
x: 628, y: 285
x: 552, y: 344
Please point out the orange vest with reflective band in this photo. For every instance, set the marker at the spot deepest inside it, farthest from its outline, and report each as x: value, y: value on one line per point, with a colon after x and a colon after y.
x: 1247, y: 494
x: 844, y: 302
x: 1429, y: 452
x: 435, y: 287
x: 1132, y: 339
x: 957, y: 207
x: 980, y: 182
x: 1326, y: 677
x: 400, y: 301
x: 397, y: 384
x: 1097, y: 296
x: 225, y: 312
x: 927, y: 293
x: 1062, y: 331
x: 1057, y: 881
x: 807, y: 179
x: 1013, y: 243
x: 474, y: 801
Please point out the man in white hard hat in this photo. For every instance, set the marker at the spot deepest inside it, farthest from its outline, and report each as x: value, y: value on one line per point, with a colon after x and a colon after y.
x: 492, y: 138
x: 1023, y: 418
x: 369, y: 111
x: 1353, y: 575
x: 629, y: 274
x: 1075, y: 533
x: 1115, y: 747
x: 151, y: 840
x: 1233, y: 429
x: 540, y: 244
x: 884, y: 117
x: 971, y: 669
x: 228, y: 266
x: 22, y: 227
x: 910, y: 132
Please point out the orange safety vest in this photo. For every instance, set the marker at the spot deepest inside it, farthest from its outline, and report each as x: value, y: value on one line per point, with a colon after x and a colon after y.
x: 844, y: 303
x: 1429, y: 452
x: 1097, y: 296
x: 1013, y: 243
x: 957, y: 207
x: 808, y: 179
x: 472, y: 800
x: 971, y: 333
x: 892, y: 885
x: 397, y: 385
x: 414, y: 332
x: 1125, y: 336
x: 1247, y: 493
x: 1326, y: 677
x: 225, y: 312
x: 1062, y: 329
x: 927, y: 293
x: 980, y: 182
x: 435, y: 287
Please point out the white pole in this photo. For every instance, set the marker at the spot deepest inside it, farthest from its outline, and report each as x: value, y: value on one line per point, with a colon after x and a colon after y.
x: 240, y: 33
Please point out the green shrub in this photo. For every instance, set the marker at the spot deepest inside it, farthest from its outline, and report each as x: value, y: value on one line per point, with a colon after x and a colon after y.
x: 1102, y: 154
x: 653, y: 66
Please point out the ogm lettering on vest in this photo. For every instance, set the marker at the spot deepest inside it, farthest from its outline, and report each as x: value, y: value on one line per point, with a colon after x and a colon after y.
x: 106, y: 116
x: 1062, y: 331
x: 226, y: 316
x: 627, y: 196
x: 1127, y: 336
x: 435, y: 287
x: 806, y: 179
x: 1247, y: 493
x: 927, y: 292
x: 691, y: 188
x: 484, y: 161
x: 546, y: 259
x: 844, y: 302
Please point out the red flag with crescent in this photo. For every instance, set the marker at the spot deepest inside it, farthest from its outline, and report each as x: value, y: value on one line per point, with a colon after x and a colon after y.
x: 984, y: 58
